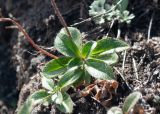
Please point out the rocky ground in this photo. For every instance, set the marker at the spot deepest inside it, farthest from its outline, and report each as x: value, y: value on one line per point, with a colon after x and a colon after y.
x: 19, y: 62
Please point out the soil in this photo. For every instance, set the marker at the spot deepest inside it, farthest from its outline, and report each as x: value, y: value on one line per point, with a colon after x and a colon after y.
x: 19, y: 62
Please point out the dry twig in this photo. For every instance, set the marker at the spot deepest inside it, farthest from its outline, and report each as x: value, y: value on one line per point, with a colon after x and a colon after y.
x: 28, y: 37
x: 135, y: 68
x: 60, y: 17
x: 150, y: 27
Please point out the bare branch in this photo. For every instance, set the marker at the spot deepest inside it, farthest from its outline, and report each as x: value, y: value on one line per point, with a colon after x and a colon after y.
x: 60, y: 17
x: 28, y: 37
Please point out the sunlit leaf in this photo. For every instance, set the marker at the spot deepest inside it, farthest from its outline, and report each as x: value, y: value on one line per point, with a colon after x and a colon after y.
x: 115, y: 110
x: 107, y: 58
x: 123, y: 4
x: 47, y: 101
x: 26, y: 108
x: 57, y: 97
x: 34, y: 99
x: 109, y: 45
x: 96, y: 8
x: 67, y: 105
x: 69, y: 46
x: 69, y: 77
x: 47, y: 83
x: 39, y: 96
x: 75, y: 62
x: 99, y: 69
x: 55, y: 67
x: 87, y: 48
x: 103, y: 11
x: 130, y: 101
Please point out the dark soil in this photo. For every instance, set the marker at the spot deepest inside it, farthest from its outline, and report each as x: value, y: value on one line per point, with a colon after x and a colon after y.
x: 19, y: 62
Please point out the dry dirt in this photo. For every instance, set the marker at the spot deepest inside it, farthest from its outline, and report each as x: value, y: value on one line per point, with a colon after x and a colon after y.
x: 19, y: 62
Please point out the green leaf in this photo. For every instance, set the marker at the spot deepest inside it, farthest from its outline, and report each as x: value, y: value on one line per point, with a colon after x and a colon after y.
x: 130, y: 101
x: 96, y: 8
x: 112, y: 10
x: 99, y: 69
x: 39, y: 96
x: 72, y: 75
x: 55, y: 67
x: 109, y: 45
x: 57, y: 97
x: 87, y: 48
x: 47, y: 101
x: 84, y: 79
x: 115, y: 110
x: 34, y: 99
x: 122, y: 6
x: 107, y: 58
x: 67, y: 105
x: 75, y: 62
x: 126, y: 17
x: 47, y: 83
x: 66, y: 45
x: 26, y: 108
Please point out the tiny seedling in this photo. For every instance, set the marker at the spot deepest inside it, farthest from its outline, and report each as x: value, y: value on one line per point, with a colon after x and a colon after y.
x: 129, y: 103
x: 110, y: 11
x: 80, y: 62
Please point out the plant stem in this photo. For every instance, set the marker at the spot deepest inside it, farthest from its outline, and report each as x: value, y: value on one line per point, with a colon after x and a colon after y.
x: 60, y: 17
x: 28, y: 37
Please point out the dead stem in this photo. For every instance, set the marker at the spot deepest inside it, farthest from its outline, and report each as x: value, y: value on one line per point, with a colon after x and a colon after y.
x: 135, y: 68
x: 60, y: 17
x: 28, y: 37
x: 150, y: 27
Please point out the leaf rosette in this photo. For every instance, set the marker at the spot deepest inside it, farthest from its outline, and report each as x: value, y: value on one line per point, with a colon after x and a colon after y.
x: 80, y: 63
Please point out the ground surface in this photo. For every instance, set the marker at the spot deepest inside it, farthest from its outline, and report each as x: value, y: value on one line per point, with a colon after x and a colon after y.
x: 19, y: 61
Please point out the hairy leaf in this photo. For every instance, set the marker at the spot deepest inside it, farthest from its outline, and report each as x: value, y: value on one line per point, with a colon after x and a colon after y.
x: 39, y: 96
x: 47, y: 83
x: 112, y: 10
x: 57, y: 97
x: 69, y: 77
x: 66, y: 45
x: 55, y: 67
x: 126, y: 17
x: 99, y: 69
x: 107, y: 58
x: 130, y: 101
x: 47, y: 101
x: 123, y: 4
x: 26, y: 108
x: 115, y: 110
x: 67, y: 104
x: 109, y: 45
x: 87, y: 48
x: 75, y: 62
x: 96, y: 8
x: 34, y: 99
